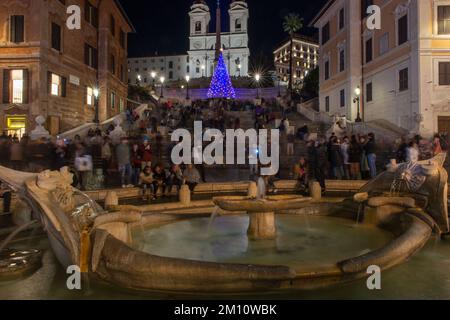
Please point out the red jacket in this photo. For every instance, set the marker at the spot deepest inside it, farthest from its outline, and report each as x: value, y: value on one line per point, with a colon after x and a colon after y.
x: 146, y: 153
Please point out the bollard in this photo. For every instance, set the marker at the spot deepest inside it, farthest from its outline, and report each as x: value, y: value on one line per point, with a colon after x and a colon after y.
x: 185, y: 195
x: 252, y: 190
x: 111, y: 199
x: 315, y: 190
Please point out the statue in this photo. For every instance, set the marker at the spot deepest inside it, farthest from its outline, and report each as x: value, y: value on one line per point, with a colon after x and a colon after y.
x: 39, y: 132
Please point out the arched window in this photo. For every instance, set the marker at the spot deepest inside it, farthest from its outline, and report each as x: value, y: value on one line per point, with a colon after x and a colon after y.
x: 198, y: 27
x: 238, y: 24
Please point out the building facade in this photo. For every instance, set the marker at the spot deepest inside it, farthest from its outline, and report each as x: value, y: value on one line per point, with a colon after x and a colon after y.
x: 402, y: 69
x: 199, y: 60
x: 50, y: 70
x: 305, y: 58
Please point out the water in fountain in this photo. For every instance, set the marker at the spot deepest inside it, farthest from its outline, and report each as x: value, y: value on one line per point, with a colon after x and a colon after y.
x: 261, y: 187
x: 214, y: 214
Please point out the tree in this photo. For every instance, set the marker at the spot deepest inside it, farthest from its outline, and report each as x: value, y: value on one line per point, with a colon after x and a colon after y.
x: 221, y: 86
x: 292, y: 23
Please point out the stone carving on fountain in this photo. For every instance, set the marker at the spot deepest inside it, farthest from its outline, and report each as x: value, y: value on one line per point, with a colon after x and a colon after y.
x: 419, y: 188
x: 39, y: 132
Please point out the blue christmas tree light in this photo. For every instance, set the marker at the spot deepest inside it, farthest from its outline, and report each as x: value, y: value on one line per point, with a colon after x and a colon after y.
x: 221, y: 86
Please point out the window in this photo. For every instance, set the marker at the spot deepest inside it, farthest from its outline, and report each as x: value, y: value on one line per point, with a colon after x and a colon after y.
x: 17, y: 29
x: 443, y: 19
x: 342, y: 98
x: 403, y: 79
x: 121, y: 105
x: 89, y: 96
x: 369, y: 50
x: 238, y: 24
x: 444, y: 73
x: 112, y: 64
x: 56, y: 36
x: 90, y: 56
x: 187, y: 69
x: 384, y: 43
x: 15, y: 86
x: 57, y: 85
x: 403, y: 30
x: 113, y: 100
x: 112, y: 25
x: 327, y: 70
x: 341, y: 18
x: 122, y: 73
x: 91, y: 14
x: 364, y: 5
x: 369, y: 93
x: 341, y: 59
x: 327, y: 104
x: 122, y: 38
x: 198, y: 27
x: 170, y: 75
x: 170, y: 64
x: 326, y: 33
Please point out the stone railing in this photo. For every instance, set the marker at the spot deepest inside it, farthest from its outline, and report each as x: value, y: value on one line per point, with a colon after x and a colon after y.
x: 232, y: 187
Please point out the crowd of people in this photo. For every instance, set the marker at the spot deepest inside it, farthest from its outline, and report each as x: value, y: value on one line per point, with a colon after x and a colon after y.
x: 138, y: 160
x: 355, y: 157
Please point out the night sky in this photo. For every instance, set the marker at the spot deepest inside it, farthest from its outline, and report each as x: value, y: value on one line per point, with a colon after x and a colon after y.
x: 162, y: 26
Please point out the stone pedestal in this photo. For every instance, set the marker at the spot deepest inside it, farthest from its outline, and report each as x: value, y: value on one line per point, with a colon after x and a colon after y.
x: 111, y: 199
x: 262, y: 226
x: 185, y: 195
x: 252, y: 190
x: 315, y: 190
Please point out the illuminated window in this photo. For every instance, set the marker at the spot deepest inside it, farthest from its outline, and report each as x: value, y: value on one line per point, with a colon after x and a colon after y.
x: 17, y: 86
x: 90, y: 96
x: 55, y: 85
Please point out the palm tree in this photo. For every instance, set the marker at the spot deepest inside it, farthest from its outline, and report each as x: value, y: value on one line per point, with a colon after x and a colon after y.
x: 291, y: 24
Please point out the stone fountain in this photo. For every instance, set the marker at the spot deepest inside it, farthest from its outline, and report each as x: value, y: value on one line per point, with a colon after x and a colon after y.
x: 261, y: 209
x: 101, y: 242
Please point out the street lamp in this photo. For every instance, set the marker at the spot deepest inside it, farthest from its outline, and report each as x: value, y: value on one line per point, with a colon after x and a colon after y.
x: 162, y: 79
x: 239, y: 68
x: 153, y: 75
x: 96, y: 93
x: 203, y: 70
x: 357, y: 100
x: 139, y: 78
x: 187, y: 87
x: 257, y: 78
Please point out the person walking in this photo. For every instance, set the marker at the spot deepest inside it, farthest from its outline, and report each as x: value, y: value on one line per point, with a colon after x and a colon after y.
x: 354, y: 158
x: 136, y: 163
x: 336, y: 159
x: 345, y: 146
x: 123, y: 157
x: 371, y: 155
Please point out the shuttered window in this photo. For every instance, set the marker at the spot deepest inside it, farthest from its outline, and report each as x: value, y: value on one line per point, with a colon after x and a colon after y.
x: 56, y: 36
x: 17, y: 29
x: 444, y: 73
x: 443, y: 19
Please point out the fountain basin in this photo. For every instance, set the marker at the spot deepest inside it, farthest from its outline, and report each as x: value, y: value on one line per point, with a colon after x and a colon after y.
x: 268, y: 204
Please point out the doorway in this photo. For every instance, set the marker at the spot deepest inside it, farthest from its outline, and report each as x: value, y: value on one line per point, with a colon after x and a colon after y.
x: 16, y: 126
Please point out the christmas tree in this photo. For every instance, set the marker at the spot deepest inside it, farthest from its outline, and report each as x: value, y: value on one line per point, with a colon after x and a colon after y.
x: 221, y: 86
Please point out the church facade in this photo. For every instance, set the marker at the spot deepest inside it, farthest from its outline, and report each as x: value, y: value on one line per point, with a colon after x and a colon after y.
x: 200, y: 58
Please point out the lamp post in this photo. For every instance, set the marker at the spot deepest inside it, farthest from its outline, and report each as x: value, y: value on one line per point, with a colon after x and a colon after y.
x: 239, y: 68
x: 203, y: 70
x: 96, y: 93
x: 162, y: 79
x: 187, y: 87
x: 153, y: 75
x: 357, y: 100
x: 257, y: 78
